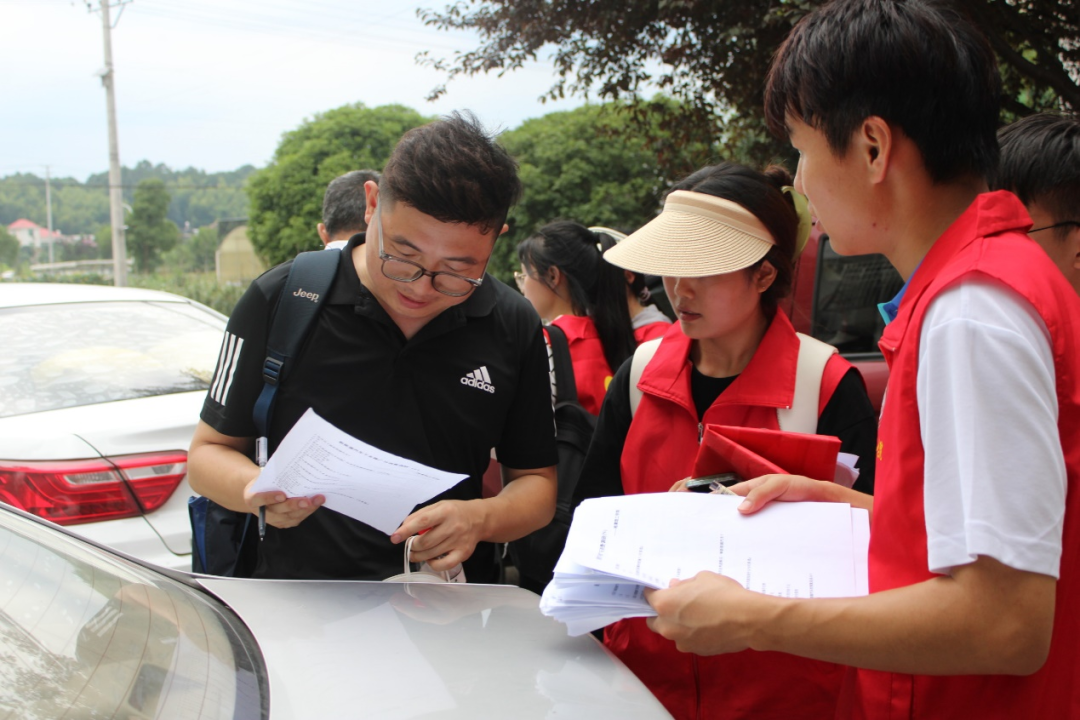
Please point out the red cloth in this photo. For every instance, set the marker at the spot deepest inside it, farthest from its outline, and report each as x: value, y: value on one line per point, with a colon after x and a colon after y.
x: 660, y: 449
x: 651, y: 331
x: 753, y: 452
x: 591, y: 371
x: 986, y: 241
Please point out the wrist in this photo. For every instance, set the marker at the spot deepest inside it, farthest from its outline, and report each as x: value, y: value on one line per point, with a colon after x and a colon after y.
x: 765, y: 620
x: 486, y: 513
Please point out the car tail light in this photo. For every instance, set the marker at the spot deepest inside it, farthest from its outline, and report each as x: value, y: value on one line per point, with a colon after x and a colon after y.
x: 70, y: 492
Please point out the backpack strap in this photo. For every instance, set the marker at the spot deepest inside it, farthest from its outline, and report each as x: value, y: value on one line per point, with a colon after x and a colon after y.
x: 802, y: 416
x: 310, y: 278
x: 562, y: 365
x: 642, y: 355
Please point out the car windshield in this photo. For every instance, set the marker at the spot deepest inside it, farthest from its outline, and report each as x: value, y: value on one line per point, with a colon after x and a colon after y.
x: 61, y: 356
x: 85, y: 634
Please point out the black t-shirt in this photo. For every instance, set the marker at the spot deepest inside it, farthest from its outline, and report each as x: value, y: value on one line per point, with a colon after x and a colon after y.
x: 848, y: 415
x: 407, y: 397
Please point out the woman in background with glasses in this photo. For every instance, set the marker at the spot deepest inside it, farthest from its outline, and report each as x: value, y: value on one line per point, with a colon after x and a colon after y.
x: 571, y: 286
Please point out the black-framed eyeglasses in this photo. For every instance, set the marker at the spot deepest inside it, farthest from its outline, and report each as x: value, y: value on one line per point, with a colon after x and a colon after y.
x: 407, y: 271
x: 1063, y: 223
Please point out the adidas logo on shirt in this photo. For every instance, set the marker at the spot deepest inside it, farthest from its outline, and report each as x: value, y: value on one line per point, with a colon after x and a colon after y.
x: 479, y: 378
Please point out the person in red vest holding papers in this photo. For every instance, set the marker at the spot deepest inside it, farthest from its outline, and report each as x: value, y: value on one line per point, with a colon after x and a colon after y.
x: 565, y: 278
x: 974, y: 566
x: 725, y: 245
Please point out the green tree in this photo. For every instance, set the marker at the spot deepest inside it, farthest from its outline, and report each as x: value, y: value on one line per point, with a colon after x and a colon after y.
x: 149, y: 231
x: 198, y: 198
x: 595, y: 165
x: 713, y: 55
x: 9, y: 249
x: 286, y: 196
x: 194, y: 253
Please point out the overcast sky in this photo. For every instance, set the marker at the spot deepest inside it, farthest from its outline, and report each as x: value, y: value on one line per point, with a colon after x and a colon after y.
x: 214, y: 83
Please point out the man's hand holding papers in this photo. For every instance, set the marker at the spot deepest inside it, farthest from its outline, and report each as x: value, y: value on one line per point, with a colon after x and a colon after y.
x: 618, y: 546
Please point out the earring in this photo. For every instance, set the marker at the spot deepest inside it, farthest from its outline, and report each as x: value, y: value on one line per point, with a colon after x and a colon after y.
x: 644, y: 296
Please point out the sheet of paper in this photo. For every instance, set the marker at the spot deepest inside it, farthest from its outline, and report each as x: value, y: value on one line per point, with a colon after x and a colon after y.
x: 860, y: 534
x: 846, y: 472
x: 358, y: 480
x: 618, y: 546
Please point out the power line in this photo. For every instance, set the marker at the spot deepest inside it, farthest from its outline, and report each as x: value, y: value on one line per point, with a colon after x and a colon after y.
x: 338, y: 29
x: 58, y: 184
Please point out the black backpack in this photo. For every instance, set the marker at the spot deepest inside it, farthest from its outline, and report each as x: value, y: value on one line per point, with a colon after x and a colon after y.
x: 222, y: 540
x: 535, y: 555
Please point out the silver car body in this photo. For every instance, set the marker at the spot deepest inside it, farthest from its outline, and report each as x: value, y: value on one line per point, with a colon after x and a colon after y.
x: 86, y: 632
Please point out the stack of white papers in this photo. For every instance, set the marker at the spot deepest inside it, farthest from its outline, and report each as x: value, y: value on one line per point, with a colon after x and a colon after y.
x: 618, y: 546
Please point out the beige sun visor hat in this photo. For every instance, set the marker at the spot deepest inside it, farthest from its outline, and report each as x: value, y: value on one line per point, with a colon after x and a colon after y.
x: 696, y: 235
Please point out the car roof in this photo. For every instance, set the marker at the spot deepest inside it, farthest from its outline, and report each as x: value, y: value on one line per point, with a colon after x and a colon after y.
x: 27, y: 294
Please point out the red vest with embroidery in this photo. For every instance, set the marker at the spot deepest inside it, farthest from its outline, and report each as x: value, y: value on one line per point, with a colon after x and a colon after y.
x: 986, y: 241
x: 660, y: 449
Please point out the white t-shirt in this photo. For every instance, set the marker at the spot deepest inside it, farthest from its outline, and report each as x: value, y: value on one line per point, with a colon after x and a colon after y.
x: 994, y: 479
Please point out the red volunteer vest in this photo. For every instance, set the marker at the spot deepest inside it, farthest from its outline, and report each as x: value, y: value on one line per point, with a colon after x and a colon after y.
x: 591, y: 371
x: 660, y: 449
x: 986, y: 241
x: 651, y: 331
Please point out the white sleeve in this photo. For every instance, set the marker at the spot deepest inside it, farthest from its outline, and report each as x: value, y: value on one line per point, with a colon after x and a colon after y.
x: 994, y: 477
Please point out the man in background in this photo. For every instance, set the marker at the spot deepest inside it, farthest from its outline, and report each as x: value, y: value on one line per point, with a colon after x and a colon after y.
x: 1040, y: 164
x: 343, y: 208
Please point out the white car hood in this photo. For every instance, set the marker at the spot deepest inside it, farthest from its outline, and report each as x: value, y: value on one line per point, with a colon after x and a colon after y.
x: 408, y: 650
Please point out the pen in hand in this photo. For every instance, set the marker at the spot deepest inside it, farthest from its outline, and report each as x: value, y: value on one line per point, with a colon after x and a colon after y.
x: 260, y: 460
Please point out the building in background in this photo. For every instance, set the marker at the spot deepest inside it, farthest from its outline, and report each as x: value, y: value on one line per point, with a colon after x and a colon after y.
x: 236, y: 260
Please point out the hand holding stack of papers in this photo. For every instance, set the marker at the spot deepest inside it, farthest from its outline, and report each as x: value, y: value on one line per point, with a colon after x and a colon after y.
x: 618, y: 546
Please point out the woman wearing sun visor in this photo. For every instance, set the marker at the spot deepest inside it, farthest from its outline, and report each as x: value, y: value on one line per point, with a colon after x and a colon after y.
x: 725, y: 245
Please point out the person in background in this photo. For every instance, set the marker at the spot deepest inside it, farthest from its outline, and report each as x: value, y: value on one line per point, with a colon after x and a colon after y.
x: 344, y: 207
x: 724, y: 244
x: 646, y: 319
x: 1040, y: 164
x: 565, y: 277
x: 974, y: 558
x: 416, y: 351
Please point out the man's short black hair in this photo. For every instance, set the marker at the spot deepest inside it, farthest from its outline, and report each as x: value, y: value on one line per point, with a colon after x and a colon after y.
x: 1040, y: 163
x: 454, y: 171
x: 918, y: 64
x: 345, y: 201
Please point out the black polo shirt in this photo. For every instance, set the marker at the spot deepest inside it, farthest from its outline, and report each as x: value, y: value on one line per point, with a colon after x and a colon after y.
x: 474, y: 378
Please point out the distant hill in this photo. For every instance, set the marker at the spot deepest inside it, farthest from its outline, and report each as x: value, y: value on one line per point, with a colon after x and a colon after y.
x: 198, y: 197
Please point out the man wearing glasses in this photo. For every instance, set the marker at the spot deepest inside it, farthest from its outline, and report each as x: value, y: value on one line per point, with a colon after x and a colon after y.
x: 416, y: 351
x: 1040, y: 163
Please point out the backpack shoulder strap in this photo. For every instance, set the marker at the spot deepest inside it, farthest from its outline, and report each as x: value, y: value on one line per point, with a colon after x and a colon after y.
x: 310, y: 278
x: 562, y: 365
x: 802, y: 416
x: 642, y: 355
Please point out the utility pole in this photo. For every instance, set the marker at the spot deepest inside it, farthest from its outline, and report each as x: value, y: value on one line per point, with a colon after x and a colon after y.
x: 48, y: 213
x: 116, y: 200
